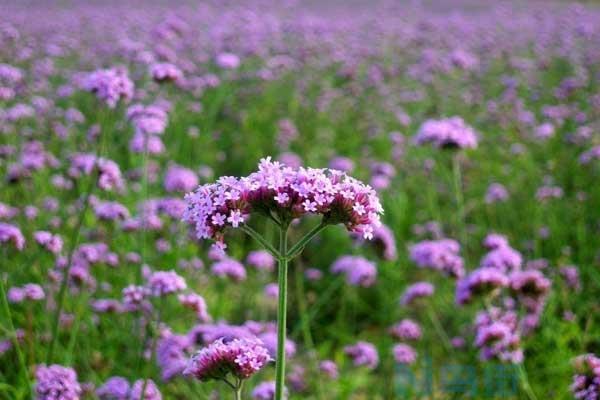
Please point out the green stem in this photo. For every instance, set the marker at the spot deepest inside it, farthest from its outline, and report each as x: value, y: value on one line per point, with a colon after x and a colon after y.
x: 13, y: 335
x: 155, y: 336
x: 299, y: 246
x: 281, y: 315
x: 437, y: 325
x: 525, y: 382
x: 74, y: 241
x: 458, y: 196
x: 238, y: 390
x: 256, y: 236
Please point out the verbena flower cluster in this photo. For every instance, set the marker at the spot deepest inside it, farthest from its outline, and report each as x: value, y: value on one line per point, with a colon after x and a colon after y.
x: 110, y: 85
x: 442, y: 255
x: 56, y: 382
x: 286, y: 192
x: 239, y: 357
x: 586, y: 381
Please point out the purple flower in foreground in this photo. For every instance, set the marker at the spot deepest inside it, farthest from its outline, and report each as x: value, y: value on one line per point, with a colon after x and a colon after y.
x: 56, y: 382
x: 363, y: 353
x: 239, y: 357
x: 286, y: 192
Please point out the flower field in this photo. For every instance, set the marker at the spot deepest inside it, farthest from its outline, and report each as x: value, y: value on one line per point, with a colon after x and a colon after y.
x: 269, y: 200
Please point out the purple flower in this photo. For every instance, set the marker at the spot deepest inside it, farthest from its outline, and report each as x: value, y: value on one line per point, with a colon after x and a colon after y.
x: 269, y: 339
x: 480, y: 281
x: 385, y: 243
x: 529, y: 283
x: 442, y: 255
x: 358, y: 270
x: 329, y: 368
x: 404, y: 354
x: 171, y: 355
x: 197, y: 303
x: 110, y: 85
x: 261, y: 260
x: 162, y: 283
x: 271, y: 290
x: 503, y: 258
x: 494, y: 241
x: 416, y: 291
x: 497, y: 336
x: 52, y: 243
x: 166, y: 72
x: 266, y: 391
x: 406, y: 329
x: 115, y: 388
x: 149, y: 388
x: 111, y: 211
x: 447, y: 133
x: 228, y: 61
x: 109, y: 174
x: 230, y: 268
x: 545, y: 193
x: 239, y: 357
x: 586, y: 381
x: 180, y: 179
x: 570, y: 274
x: 56, y: 383
x: 10, y: 233
x: 363, y: 353
x: 496, y: 193
x: 336, y: 196
x: 29, y: 291
x: 590, y: 155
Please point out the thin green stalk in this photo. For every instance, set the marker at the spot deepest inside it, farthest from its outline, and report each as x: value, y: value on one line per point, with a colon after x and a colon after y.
x: 142, y: 232
x: 74, y: 241
x: 298, y: 247
x: 437, y: 325
x: 238, y: 390
x: 13, y: 335
x: 256, y: 236
x: 304, y: 322
x: 459, y: 198
x: 525, y: 382
x: 154, y: 341
x: 281, y: 314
